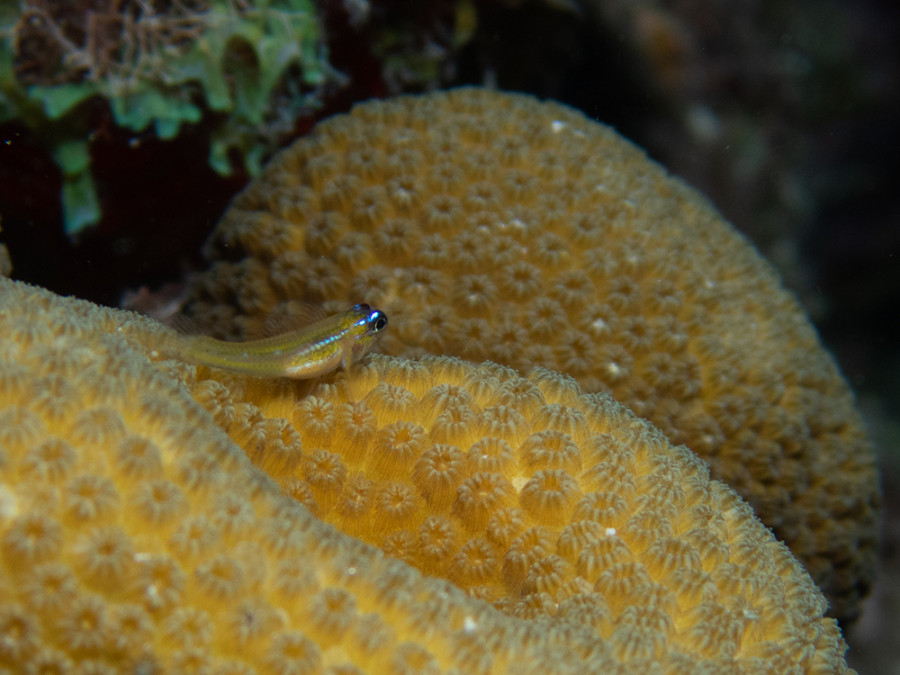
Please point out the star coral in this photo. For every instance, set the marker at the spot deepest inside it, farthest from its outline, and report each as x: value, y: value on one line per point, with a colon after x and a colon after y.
x: 181, y: 556
x: 493, y: 226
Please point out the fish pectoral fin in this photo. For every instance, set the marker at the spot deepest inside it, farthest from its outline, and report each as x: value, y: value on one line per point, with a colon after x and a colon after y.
x: 347, y: 352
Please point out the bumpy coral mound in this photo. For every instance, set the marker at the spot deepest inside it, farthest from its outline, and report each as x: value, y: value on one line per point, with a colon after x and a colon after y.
x: 492, y: 226
x: 543, y: 500
x: 135, y: 534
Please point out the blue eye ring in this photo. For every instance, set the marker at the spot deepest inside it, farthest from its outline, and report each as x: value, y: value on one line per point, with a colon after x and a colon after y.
x: 377, y: 321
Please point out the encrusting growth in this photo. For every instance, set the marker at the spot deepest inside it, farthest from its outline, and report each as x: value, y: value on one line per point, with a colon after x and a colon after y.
x: 493, y: 226
x: 156, y: 545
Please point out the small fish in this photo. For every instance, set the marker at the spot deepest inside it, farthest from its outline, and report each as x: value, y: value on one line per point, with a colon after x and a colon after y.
x: 311, y: 351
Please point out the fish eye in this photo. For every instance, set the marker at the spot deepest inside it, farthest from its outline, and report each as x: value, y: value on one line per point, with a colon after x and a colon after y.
x: 377, y: 321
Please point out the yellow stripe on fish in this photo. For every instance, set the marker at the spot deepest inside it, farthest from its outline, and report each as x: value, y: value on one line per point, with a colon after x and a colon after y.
x: 311, y: 351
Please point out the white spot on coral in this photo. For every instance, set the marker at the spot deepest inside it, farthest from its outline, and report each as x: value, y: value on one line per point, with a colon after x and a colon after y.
x: 9, y: 505
x: 557, y: 126
x: 610, y: 532
x: 599, y: 324
x: 153, y: 596
x: 469, y: 625
x: 515, y: 225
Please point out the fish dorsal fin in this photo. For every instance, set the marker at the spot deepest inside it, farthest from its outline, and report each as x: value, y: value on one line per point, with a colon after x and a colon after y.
x: 184, y: 324
x: 289, y: 316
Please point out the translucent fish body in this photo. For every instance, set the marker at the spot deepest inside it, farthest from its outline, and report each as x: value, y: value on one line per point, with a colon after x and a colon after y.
x: 311, y: 351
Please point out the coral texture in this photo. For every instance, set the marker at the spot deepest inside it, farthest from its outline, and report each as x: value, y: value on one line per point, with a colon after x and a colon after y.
x: 163, y: 64
x: 493, y: 226
x: 135, y: 534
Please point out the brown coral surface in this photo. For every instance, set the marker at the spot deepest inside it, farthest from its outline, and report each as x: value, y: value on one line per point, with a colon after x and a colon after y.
x: 493, y: 226
x: 136, y: 536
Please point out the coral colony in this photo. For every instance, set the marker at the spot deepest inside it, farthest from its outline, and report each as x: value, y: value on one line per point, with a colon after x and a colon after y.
x: 136, y: 535
x: 492, y: 226
x: 158, y: 65
x: 419, y: 513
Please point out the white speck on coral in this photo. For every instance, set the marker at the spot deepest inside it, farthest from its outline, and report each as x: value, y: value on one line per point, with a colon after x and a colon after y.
x: 599, y: 324
x: 9, y: 505
x: 351, y: 571
x: 557, y: 126
x: 517, y: 225
x: 613, y: 369
x: 469, y: 624
x: 610, y: 532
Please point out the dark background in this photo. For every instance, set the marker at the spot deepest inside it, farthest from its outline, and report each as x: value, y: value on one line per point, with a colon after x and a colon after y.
x: 784, y: 114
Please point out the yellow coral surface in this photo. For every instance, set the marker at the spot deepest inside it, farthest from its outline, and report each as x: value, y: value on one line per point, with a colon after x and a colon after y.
x: 493, y: 226
x: 136, y: 536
